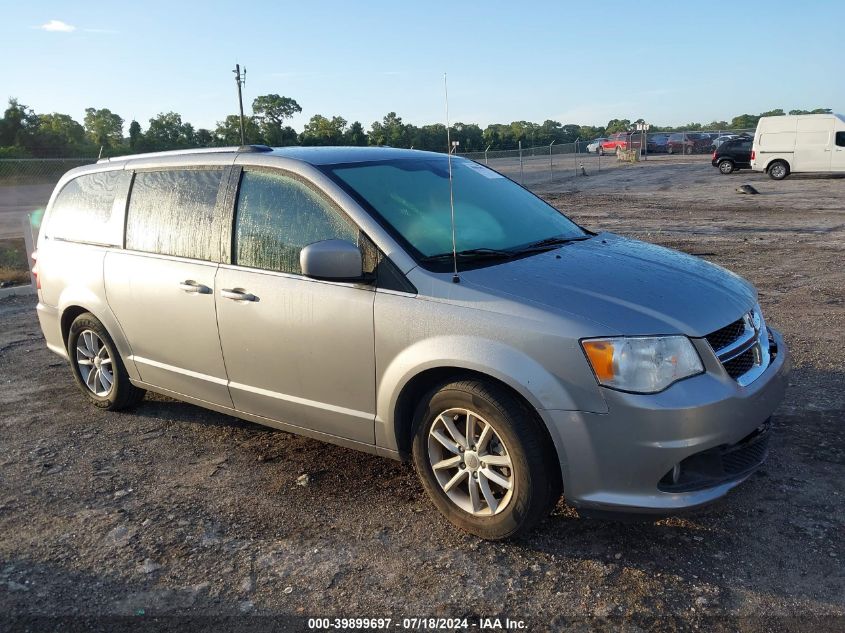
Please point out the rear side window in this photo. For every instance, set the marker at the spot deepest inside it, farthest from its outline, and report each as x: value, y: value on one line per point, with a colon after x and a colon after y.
x: 177, y: 212
x: 277, y: 215
x: 82, y: 212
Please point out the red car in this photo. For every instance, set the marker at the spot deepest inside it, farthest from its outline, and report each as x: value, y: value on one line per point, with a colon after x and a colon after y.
x: 620, y: 141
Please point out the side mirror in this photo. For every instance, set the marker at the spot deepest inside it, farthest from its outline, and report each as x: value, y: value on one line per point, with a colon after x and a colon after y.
x: 335, y: 260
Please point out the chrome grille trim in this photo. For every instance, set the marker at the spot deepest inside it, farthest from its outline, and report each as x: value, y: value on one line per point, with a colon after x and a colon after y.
x: 754, y: 338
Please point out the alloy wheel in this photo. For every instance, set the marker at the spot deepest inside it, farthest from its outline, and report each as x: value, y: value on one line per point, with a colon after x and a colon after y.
x: 94, y: 363
x: 470, y: 462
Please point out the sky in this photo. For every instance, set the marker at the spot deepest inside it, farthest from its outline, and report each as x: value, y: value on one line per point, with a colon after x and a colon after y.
x: 582, y: 62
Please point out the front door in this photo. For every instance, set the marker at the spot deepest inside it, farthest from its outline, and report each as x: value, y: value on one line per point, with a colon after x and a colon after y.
x: 161, y: 287
x: 297, y: 350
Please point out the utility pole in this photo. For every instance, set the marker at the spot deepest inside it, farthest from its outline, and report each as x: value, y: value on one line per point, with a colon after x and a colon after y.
x: 240, y: 79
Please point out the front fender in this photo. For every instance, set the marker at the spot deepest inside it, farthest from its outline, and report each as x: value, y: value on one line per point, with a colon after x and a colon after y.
x: 530, y: 379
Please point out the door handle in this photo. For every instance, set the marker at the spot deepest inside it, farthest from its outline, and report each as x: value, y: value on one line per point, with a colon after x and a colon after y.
x: 237, y: 295
x: 193, y: 287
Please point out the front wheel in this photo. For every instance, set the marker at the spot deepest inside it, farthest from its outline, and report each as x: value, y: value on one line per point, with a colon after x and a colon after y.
x: 726, y: 167
x: 778, y: 170
x: 688, y: 150
x: 97, y: 367
x: 484, y: 459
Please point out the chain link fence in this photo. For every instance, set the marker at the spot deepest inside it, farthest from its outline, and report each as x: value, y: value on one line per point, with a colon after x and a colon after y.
x: 543, y: 164
x: 26, y: 184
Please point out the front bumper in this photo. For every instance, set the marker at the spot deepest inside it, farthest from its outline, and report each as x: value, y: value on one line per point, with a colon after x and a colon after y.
x: 616, y: 461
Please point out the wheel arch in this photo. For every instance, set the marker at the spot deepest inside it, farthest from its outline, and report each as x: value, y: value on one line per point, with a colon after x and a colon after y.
x: 778, y: 159
x: 71, y: 308
x: 424, y: 382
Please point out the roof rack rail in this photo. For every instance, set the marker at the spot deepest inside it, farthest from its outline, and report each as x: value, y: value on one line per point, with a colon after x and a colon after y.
x: 197, y: 150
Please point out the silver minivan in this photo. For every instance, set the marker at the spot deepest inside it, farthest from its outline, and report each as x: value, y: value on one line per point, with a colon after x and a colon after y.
x: 511, y: 354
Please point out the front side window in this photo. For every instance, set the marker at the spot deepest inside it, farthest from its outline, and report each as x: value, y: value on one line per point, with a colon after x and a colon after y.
x: 82, y: 212
x: 840, y: 139
x: 177, y: 212
x: 410, y: 197
x: 277, y: 215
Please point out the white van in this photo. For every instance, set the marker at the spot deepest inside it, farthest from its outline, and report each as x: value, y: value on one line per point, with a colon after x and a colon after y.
x: 786, y: 145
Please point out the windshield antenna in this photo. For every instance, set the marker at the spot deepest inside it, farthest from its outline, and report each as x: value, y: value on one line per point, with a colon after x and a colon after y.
x: 455, y: 278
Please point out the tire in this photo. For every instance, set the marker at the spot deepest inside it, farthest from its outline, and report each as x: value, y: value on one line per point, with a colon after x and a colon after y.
x: 688, y: 150
x: 600, y: 151
x: 726, y: 167
x: 89, y: 345
x: 778, y: 170
x: 670, y: 150
x: 515, y: 437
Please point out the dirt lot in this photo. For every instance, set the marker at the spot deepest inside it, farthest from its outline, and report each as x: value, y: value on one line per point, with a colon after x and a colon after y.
x: 173, y: 510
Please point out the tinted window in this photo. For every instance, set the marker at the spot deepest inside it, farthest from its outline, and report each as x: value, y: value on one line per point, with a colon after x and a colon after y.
x: 177, y: 213
x: 840, y: 139
x: 277, y: 215
x: 82, y: 211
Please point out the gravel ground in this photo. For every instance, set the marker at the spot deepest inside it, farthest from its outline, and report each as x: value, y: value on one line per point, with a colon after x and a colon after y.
x: 176, y: 511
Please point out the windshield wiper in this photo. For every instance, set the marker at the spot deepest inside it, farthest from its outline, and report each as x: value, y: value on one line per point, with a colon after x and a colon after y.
x: 549, y: 243
x: 472, y: 253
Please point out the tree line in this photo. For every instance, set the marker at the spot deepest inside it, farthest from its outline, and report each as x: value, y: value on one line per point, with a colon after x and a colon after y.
x: 24, y: 134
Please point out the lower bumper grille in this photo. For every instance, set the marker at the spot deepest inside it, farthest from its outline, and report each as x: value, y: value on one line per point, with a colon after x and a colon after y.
x: 720, y: 464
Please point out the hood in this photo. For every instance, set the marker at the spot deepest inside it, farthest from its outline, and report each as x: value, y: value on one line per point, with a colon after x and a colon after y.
x: 632, y: 287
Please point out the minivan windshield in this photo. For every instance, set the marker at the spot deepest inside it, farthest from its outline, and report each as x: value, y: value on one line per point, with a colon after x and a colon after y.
x: 493, y: 215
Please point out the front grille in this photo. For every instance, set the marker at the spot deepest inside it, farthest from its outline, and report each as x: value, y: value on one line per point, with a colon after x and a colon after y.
x: 743, y: 347
x: 740, y: 365
x: 725, y: 336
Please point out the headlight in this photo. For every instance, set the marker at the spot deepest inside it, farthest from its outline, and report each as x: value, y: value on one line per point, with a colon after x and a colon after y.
x: 642, y: 364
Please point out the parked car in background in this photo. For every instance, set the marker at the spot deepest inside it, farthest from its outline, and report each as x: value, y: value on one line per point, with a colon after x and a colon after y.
x: 721, y: 139
x: 688, y: 143
x: 657, y: 143
x: 799, y: 143
x: 594, y: 145
x: 732, y: 155
x: 620, y: 141
x: 318, y: 290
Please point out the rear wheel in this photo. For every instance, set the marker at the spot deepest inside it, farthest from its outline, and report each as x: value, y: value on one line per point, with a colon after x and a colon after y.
x: 484, y: 459
x: 97, y: 367
x: 726, y: 166
x: 778, y: 170
x: 670, y: 149
x: 688, y: 150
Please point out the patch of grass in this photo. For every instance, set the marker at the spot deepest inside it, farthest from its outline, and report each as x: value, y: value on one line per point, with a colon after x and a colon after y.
x: 14, y: 268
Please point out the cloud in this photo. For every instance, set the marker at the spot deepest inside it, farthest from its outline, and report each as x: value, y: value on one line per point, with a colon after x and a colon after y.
x: 57, y: 26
